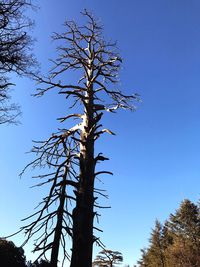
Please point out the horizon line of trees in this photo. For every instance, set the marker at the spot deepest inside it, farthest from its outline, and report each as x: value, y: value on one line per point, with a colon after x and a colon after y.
x: 175, y: 243
x: 13, y: 256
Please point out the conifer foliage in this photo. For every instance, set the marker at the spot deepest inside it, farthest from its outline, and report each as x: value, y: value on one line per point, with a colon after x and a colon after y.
x: 177, y: 242
x: 108, y: 258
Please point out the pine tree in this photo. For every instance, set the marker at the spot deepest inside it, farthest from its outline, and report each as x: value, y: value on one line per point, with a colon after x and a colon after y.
x: 185, y: 228
x: 154, y: 256
x: 177, y: 243
x: 185, y: 222
x: 156, y: 246
x: 108, y: 258
x: 144, y: 261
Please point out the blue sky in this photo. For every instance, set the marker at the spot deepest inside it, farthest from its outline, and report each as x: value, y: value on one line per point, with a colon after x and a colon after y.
x: 155, y: 155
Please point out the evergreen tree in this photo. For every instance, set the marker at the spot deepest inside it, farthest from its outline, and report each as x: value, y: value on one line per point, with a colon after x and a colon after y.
x: 186, y: 223
x: 10, y: 255
x: 154, y: 256
x: 177, y: 243
x: 108, y: 258
x: 184, y: 226
x: 156, y: 243
x: 144, y: 261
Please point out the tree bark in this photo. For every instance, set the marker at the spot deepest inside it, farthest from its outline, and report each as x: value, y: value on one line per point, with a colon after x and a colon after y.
x: 58, y: 228
x: 83, y: 213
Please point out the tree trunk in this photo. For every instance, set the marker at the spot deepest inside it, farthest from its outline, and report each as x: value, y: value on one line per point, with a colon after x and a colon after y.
x: 83, y: 213
x: 83, y: 231
x: 58, y: 228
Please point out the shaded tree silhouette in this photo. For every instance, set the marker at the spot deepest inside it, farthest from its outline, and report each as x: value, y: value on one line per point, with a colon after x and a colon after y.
x: 41, y: 263
x: 70, y: 154
x: 15, y: 52
x: 10, y: 255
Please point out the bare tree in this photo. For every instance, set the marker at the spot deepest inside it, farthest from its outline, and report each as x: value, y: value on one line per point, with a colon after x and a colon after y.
x: 50, y: 224
x: 15, y: 53
x: 70, y: 153
x: 108, y: 258
x: 8, y: 112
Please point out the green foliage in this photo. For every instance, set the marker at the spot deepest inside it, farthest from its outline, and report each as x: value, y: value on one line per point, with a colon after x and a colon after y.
x: 177, y: 242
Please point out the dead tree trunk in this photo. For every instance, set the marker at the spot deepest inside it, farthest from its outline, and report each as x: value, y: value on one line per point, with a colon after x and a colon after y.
x: 83, y: 213
x: 52, y: 222
x: 59, y: 226
x: 98, y: 63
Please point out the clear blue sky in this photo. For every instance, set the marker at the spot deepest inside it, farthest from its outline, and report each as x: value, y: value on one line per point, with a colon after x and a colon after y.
x: 155, y: 156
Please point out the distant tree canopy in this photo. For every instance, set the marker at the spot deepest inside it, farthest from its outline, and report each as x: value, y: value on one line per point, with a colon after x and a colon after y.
x: 177, y: 242
x: 108, y: 258
x: 10, y: 255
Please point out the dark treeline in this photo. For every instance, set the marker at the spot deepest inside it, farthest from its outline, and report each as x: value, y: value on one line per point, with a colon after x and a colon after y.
x: 177, y: 241
x: 13, y: 256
